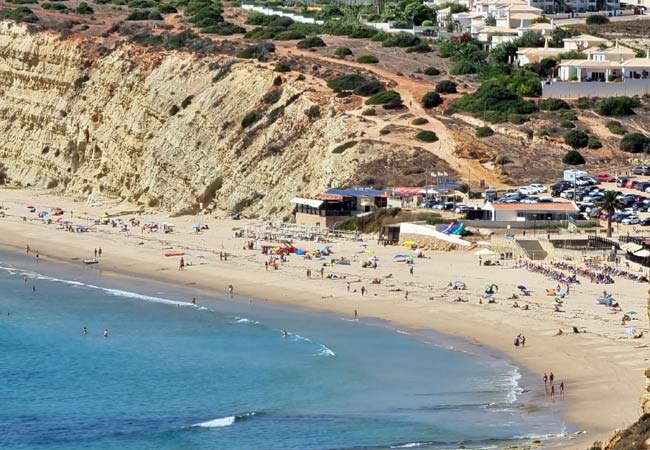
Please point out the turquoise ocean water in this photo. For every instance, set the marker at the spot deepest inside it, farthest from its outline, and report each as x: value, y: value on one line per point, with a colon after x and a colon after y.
x: 222, y: 376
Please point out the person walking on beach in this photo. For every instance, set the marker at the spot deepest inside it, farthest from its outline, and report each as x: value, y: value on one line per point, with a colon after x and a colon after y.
x: 552, y: 391
x: 406, y: 296
x: 322, y: 272
x: 37, y: 256
x: 266, y: 265
x: 523, y: 341
x: 105, y: 332
x: 551, y: 377
x: 363, y: 291
x: 517, y: 341
x: 309, y: 274
x: 27, y: 248
x: 480, y: 261
x: 348, y: 286
x: 95, y: 253
x: 411, y: 270
x: 545, y: 379
x: 99, y: 252
x: 356, y: 315
x: 562, y: 388
x: 181, y: 264
x: 231, y: 289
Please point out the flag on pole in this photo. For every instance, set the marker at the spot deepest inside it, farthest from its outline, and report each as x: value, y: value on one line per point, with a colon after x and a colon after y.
x: 573, y: 225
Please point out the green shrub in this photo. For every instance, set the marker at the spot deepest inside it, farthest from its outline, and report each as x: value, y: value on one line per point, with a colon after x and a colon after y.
x: 419, y: 121
x: 138, y: 15
x: 367, y: 59
x: 567, y: 124
x: 223, y: 29
x: 250, y: 118
x: 345, y: 83
x: 426, y: 136
x: 635, y: 143
x: 313, y: 112
x: 482, y: 132
x: 20, y: 14
x: 422, y: 47
x: 594, y: 142
x: 446, y: 87
x: 258, y: 51
x: 343, y: 147
x: 597, y: 19
x: 167, y: 8
x: 311, y: 42
x: 576, y: 139
x: 54, y: 6
x: 272, y: 97
x: 431, y: 100
x: 342, y: 52
x: 585, y: 102
x: 382, y: 98
x: 569, y: 115
x: 282, y: 66
x: 573, y: 158
x: 617, y: 106
x: 494, y: 101
x: 290, y: 35
x: 615, y: 127
x: 431, y: 71
x: 401, y: 40
x: 84, y: 8
x: 517, y: 119
x: 553, y: 104
x: 369, y: 88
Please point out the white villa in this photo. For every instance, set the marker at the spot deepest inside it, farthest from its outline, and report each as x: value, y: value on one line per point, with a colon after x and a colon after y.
x: 609, y: 64
x: 532, y: 55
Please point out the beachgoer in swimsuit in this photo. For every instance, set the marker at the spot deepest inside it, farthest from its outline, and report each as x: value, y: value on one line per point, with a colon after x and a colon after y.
x: 231, y: 289
x: 356, y: 315
x: 100, y: 252
x: 106, y: 332
x: 545, y: 378
x: 85, y: 331
x: 551, y: 377
x: 194, y: 300
x: 33, y: 288
x: 284, y: 333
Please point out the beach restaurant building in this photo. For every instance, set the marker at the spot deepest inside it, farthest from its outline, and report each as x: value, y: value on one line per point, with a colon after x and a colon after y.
x: 522, y: 212
x: 336, y: 205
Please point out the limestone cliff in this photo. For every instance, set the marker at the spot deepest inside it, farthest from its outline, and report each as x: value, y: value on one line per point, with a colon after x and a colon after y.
x: 165, y: 128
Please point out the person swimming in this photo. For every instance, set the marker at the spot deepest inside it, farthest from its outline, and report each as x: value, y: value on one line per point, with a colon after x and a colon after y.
x: 105, y: 332
x: 194, y: 300
x: 284, y: 333
x: 85, y: 331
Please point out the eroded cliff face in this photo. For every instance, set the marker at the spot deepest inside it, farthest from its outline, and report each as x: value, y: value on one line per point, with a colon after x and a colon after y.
x: 165, y: 129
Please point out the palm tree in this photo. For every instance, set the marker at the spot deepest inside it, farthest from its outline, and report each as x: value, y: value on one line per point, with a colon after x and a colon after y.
x: 609, y: 205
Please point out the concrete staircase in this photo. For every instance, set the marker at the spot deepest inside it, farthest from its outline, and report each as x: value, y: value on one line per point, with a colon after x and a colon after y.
x: 532, y: 248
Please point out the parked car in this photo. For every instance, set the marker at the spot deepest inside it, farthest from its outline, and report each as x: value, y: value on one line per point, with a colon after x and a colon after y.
x: 567, y: 194
x: 527, y: 190
x: 604, y: 177
x: 620, y: 181
x: 540, y: 188
x: 530, y: 200
x: 645, y: 222
x: 631, y: 220
x: 461, y: 209
x: 562, y: 185
x: 641, y: 170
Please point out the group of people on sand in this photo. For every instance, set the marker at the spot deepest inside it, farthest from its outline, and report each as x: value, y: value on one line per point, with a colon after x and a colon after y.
x: 550, y: 272
x: 609, y: 271
x: 549, y: 386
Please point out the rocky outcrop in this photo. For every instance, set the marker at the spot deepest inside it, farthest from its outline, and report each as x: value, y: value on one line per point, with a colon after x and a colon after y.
x: 165, y: 129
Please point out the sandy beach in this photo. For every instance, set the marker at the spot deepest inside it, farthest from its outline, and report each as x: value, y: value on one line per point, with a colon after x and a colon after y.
x: 602, y: 369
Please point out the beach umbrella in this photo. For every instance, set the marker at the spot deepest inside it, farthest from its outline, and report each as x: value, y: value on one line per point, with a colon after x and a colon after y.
x: 67, y: 222
x: 363, y: 244
x: 631, y: 313
x: 459, y: 284
x: 521, y: 287
x: 484, y: 252
x: 630, y: 330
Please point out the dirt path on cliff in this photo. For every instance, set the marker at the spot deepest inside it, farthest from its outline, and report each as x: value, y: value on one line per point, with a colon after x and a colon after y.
x: 411, y: 91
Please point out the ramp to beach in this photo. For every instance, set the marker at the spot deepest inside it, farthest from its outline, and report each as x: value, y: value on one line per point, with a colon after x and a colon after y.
x: 413, y: 229
x: 532, y: 249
